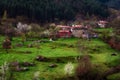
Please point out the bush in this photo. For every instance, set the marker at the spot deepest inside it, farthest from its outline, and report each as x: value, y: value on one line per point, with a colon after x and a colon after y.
x: 87, y: 71
x: 84, y: 68
x: 6, y: 44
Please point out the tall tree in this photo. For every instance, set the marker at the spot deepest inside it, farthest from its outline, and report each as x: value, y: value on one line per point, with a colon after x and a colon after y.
x: 48, y: 10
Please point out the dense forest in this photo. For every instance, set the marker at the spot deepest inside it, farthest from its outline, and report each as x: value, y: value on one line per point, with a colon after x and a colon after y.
x: 111, y: 3
x: 49, y: 10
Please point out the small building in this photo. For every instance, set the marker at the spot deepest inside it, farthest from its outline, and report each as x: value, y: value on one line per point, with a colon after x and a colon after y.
x: 102, y: 24
x: 64, y: 31
x: 78, y: 30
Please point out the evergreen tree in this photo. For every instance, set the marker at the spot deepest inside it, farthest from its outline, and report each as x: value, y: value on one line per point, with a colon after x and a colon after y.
x: 49, y: 10
x: 4, y: 15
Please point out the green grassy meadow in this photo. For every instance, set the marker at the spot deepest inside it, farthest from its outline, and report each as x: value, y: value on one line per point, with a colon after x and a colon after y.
x: 65, y: 49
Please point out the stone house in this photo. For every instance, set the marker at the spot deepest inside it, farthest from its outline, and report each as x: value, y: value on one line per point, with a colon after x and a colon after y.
x: 78, y: 30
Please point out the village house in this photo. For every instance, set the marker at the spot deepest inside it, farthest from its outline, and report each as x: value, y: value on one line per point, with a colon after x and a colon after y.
x: 102, y: 24
x: 64, y: 31
x: 77, y: 30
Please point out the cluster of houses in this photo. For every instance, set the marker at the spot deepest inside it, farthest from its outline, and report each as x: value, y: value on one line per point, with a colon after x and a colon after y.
x: 75, y: 30
x: 79, y: 31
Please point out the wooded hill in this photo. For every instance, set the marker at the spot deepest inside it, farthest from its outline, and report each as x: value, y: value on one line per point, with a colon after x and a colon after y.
x: 50, y: 10
x: 112, y: 3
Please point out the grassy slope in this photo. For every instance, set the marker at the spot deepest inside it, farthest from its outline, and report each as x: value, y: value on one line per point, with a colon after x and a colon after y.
x: 57, y: 49
x: 15, y: 54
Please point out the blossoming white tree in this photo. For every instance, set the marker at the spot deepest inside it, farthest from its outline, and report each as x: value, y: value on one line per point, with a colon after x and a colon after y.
x: 23, y: 27
x: 5, y: 72
x: 36, y: 75
x: 68, y: 68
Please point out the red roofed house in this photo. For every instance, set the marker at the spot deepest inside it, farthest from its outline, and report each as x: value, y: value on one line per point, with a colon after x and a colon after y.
x: 64, y: 31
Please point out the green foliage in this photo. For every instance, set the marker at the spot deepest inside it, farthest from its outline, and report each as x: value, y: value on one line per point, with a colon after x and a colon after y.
x: 23, y: 38
x: 49, y: 10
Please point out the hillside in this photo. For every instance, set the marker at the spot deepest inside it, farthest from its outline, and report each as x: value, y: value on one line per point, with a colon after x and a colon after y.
x: 57, y: 10
x: 111, y: 3
x: 51, y: 10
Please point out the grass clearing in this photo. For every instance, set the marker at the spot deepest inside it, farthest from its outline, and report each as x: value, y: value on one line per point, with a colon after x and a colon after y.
x: 63, y: 49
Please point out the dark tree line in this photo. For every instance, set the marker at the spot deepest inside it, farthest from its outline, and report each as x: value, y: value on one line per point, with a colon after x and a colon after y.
x: 111, y: 3
x: 114, y: 4
x: 50, y: 10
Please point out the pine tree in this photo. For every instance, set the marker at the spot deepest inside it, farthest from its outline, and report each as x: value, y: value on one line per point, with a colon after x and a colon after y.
x: 4, y: 15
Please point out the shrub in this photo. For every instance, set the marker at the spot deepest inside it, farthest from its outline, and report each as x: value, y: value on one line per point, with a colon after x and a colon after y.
x: 86, y: 70
x: 6, y: 44
x: 84, y: 67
